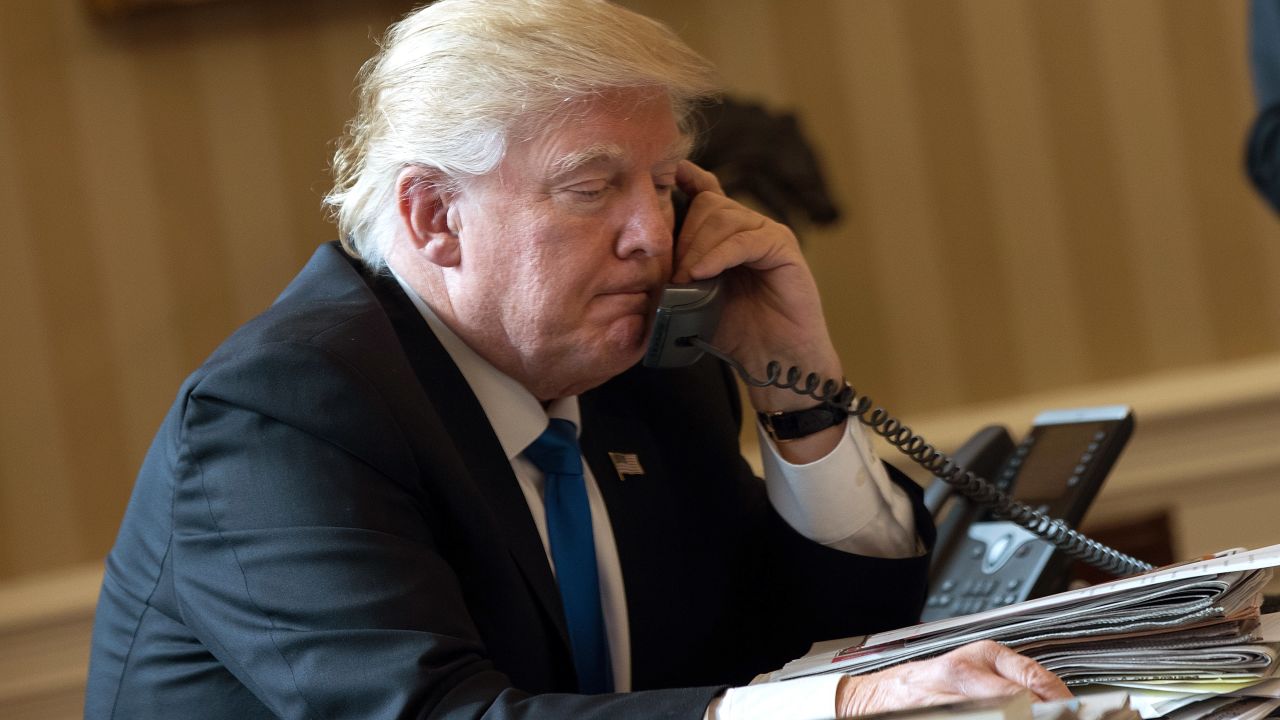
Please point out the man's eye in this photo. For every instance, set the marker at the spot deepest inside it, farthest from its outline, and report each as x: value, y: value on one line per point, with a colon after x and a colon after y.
x: 588, y: 190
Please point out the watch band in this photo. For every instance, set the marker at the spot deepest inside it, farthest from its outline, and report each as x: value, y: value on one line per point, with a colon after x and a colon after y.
x: 783, y: 425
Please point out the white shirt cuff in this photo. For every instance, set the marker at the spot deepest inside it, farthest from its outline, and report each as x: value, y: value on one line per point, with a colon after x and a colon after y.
x: 810, y: 698
x: 844, y: 500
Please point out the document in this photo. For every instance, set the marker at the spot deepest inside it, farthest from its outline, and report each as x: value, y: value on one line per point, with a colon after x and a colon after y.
x: 1192, y: 622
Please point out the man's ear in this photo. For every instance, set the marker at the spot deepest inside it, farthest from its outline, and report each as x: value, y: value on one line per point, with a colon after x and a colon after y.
x: 428, y: 216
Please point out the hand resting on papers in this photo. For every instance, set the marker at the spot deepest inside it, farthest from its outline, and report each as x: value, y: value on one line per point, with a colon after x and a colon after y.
x: 981, y: 669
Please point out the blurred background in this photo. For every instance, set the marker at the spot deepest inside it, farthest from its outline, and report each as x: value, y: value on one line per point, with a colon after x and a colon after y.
x: 1042, y: 203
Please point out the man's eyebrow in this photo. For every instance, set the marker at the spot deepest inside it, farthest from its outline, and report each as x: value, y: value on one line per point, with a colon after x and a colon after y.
x: 595, y: 154
x: 609, y: 153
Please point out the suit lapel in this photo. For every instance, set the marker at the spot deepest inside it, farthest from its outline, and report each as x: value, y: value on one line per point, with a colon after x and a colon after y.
x: 474, y: 440
x: 641, y: 508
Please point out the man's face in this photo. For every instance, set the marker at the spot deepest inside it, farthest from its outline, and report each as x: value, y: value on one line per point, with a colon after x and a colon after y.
x: 564, y: 248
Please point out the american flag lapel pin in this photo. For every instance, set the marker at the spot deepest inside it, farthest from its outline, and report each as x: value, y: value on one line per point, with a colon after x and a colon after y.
x: 626, y: 464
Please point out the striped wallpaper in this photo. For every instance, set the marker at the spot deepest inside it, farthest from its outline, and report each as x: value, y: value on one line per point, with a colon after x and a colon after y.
x: 1036, y: 194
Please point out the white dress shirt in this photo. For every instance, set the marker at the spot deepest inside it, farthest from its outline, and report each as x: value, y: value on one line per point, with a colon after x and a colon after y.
x: 845, y: 501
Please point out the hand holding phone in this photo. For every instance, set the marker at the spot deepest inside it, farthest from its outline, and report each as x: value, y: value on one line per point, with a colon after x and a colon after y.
x: 771, y: 304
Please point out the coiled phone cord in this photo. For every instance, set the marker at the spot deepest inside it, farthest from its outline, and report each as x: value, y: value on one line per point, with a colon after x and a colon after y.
x: 938, y: 463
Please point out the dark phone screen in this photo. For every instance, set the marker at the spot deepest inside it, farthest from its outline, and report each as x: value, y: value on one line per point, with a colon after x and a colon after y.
x: 1057, y: 468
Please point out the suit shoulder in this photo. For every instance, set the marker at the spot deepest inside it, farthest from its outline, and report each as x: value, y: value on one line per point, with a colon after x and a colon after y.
x: 324, y: 358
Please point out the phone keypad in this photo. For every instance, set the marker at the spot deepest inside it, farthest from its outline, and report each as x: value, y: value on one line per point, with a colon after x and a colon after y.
x: 971, y: 588
x: 971, y: 596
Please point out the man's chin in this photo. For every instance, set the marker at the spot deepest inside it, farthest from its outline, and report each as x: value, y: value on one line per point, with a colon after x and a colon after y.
x: 617, y: 350
x: 595, y: 358
x: 627, y: 337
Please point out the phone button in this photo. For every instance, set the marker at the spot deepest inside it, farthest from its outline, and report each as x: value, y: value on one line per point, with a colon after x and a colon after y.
x: 996, y: 553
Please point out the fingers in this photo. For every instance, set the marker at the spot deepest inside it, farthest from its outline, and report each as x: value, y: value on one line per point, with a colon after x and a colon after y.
x: 720, y: 233
x: 711, y: 217
x: 977, y: 670
x: 713, y: 220
x: 1030, y: 674
x: 693, y: 179
x: 997, y: 670
x: 907, y: 686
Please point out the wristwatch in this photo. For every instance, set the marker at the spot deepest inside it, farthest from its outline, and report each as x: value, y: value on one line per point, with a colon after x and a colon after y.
x: 784, y: 425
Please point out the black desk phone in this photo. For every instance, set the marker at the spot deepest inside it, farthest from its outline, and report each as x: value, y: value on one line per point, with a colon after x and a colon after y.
x: 981, y: 562
x: 999, y: 541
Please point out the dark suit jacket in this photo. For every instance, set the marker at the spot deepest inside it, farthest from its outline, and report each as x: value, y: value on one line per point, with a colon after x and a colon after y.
x: 326, y: 526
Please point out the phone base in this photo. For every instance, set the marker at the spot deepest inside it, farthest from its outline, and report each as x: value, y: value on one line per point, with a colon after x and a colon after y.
x: 998, y: 565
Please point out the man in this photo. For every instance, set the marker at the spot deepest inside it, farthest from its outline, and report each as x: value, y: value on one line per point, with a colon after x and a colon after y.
x: 371, y: 502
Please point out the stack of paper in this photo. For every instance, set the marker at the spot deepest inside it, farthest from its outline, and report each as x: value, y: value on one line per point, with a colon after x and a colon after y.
x: 1196, y: 624
x: 1240, y: 698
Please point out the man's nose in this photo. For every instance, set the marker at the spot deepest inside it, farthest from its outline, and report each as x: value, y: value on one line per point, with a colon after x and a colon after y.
x: 647, y: 230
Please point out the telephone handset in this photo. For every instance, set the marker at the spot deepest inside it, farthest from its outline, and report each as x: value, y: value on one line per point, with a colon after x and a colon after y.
x: 685, y: 311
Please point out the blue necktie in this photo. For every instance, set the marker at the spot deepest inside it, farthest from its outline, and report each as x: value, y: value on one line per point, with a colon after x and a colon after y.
x: 573, y: 550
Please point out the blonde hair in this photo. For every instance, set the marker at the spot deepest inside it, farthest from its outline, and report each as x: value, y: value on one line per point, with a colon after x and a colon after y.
x: 456, y: 79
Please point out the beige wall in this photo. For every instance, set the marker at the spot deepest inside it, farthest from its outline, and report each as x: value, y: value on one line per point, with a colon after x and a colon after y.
x: 1037, y: 194
x: 160, y: 182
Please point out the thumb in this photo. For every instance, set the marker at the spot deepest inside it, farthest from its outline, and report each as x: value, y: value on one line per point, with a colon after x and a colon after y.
x: 1030, y: 674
